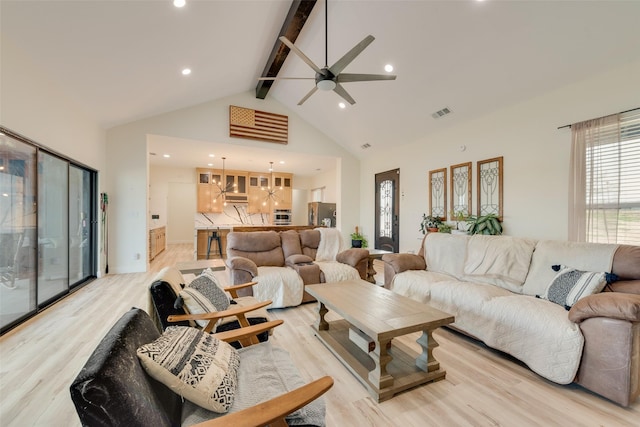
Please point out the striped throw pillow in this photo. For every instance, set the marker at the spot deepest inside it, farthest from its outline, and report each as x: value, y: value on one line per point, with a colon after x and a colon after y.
x: 570, y: 285
x: 196, y: 303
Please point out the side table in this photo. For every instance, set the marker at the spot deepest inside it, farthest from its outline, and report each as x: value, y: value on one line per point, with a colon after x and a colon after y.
x: 373, y: 255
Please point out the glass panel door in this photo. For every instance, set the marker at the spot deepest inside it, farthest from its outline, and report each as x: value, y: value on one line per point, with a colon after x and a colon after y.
x: 53, y: 247
x: 81, y: 220
x: 17, y: 230
x: 387, y: 207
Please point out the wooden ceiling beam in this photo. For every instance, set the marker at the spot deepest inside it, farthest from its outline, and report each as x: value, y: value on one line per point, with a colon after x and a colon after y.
x: 296, y: 18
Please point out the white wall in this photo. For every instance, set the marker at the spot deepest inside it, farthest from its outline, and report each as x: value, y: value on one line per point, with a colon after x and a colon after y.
x: 172, y: 196
x: 329, y: 181
x: 34, y: 107
x: 299, y: 208
x: 127, y: 162
x: 536, y: 156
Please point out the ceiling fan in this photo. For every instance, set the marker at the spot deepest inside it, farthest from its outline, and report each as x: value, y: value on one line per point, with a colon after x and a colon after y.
x: 330, y: 78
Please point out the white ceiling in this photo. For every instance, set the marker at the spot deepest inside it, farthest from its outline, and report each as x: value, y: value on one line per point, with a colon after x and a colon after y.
x: 121, y: 60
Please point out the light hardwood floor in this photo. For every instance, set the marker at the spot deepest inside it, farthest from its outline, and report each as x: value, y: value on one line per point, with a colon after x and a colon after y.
x: 39, y: 359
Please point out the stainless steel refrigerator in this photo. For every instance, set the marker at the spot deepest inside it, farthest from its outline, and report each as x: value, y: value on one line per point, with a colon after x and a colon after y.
x: 322, y: 214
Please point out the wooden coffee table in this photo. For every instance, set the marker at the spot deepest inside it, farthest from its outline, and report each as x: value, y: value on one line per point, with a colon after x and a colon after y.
x: 197, y: 266
x: 372, y: 317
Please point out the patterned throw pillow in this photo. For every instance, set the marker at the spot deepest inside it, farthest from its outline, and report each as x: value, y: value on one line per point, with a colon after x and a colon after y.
x: 196, y: 303
x: 210, y: 289
x: 570, y: 285
x: 195, y: 365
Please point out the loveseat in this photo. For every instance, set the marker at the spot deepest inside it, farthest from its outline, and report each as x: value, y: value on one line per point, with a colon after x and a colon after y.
x: 550, y: 304
x: 283, y: 263
x: 114, y: 388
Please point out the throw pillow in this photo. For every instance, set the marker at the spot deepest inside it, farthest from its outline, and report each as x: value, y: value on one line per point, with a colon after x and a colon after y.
x: 196, y: 303
x: 209, y: 288
x: 570, y: 285
x: 195, y: 365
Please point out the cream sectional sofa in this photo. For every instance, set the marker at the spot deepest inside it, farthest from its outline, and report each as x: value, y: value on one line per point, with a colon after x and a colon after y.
x: 496, y: 287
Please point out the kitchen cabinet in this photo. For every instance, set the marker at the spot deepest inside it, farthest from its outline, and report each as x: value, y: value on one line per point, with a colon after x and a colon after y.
x: 157, y: 241
x: 205, y: 191
x: 243, y: 187
x: 236, y: 183
x: 283, y: 183
x: 210, y: 186
x: 258, y: 183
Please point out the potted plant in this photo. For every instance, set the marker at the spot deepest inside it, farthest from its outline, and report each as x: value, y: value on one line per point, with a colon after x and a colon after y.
x: 358, y: 240
x: 485, y: 224
x: 461, y: 221
x: 444, y: 228
x: 429, y: 223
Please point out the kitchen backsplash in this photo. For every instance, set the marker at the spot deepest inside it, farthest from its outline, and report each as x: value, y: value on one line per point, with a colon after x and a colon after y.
x: 232, y: 215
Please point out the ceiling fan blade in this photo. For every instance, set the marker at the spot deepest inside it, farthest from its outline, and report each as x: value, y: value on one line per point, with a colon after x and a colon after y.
x: 350, y: 56
x: 286, y: 78
x: 311, y: 92
x: 346, y: 77
x: 343, y: 93
x: 298, y: 52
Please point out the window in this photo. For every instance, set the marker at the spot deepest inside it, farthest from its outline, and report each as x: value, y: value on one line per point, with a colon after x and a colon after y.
x: 605, y: 202
x: 386, y: 208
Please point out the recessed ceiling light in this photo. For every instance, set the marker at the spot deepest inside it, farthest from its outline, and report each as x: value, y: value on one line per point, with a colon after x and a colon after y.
x: 212, y: 155
x: 342, y: 105
x: 179, y: 3
x: 186, y: 71
x: 166, y: 156
x: 209, y: 164
x: 388, y: 68
x: 282, y: 162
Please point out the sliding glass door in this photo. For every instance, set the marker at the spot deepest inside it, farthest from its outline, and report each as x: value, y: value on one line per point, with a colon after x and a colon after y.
x: 48, y: 227
x: 53, y: 247
x: 18, y: 237
x: 81, y: 225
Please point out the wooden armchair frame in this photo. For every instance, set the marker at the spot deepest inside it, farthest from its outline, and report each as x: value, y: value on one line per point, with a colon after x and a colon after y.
x: 233, y: 290
x: 238, y: 312
x: 272, y: 412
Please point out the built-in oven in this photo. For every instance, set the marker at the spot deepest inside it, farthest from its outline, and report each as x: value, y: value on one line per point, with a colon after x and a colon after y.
x: 282, y: 217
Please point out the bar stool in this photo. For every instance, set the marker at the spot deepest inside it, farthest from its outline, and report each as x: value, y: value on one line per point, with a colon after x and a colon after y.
x: 214, y: 235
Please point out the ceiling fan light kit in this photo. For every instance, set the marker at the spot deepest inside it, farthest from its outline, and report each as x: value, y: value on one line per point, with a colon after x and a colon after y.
x: 326, y: 85
x: 330, y: 78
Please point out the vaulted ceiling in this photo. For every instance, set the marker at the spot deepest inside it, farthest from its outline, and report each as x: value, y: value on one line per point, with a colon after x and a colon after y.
x: 122, y: 60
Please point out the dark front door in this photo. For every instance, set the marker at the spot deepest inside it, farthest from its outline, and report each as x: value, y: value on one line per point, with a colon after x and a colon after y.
x: 387, y: 210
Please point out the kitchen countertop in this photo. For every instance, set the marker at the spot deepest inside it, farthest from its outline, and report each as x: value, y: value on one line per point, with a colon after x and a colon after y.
x: 214, y: 227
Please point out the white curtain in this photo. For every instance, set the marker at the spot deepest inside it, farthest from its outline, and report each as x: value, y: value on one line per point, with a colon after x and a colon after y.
x: 594, y: 196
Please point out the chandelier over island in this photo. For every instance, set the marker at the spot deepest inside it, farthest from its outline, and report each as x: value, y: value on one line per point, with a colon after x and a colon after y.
x: 271, y: 190
x: 224, y: 186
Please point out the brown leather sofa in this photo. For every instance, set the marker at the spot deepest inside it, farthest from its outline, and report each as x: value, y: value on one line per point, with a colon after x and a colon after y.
x: 608, y: 322
x: 292, y: 250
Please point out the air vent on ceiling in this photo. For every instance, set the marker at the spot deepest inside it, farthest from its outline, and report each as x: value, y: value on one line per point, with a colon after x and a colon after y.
x: 365, y: 146
x: 441, y: 113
